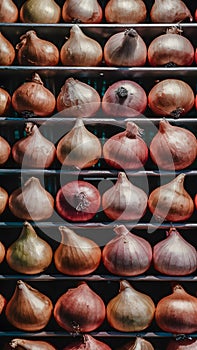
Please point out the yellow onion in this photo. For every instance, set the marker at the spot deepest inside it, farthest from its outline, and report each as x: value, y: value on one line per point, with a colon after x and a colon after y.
x: 130, y: 310
x: 137, y: 344
x: 24, y: 344
x: 33, y: 51
x: 5, y: 150
x: 125, y: 11
x: 2, y: 252
x: 79, y: 147
x: 169, y: 11
x: 29, y: 254
x: 83, y: 11
x: 87, y: 343
x: 34, y: 150
x: 76, y: 255
x: 7, y: 52
x: 36, y: 11
x: 5, y: 102
x: 80, y: 50
x: 177, y: 312
x: 171, y: 201
x: 124, y: 201
x: 28, y: 309
x: 32, y: 201
x: 8, y: 11
x: 3, y: 200
x: 79, y: 309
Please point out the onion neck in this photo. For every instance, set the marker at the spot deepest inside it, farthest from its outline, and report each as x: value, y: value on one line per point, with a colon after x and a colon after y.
x: 76, y: 32
x: 125, y: 285
x: 36, y: 79
x: 164, y: 125
x: 28, y: 231
x: 33, y: 182
x: 79, y: 123
x: 68, y: 235
x: 173, y: 233
x: 121, y: 230
x: 174, y: 30
x: 133, y: 131
x: 178, y: 181
x: 177, y: 288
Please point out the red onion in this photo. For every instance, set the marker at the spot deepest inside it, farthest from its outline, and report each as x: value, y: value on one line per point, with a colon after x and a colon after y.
x: 125, y: 11
x: 177, y: 312
x: 174, y: 255
x: 171, y: 49
x: 7, y: 52
x: 5, y: 150
x: 126, y: 150
x: 127, y: 254
x: 8, y: 11
x: 171, y: 97
x: 25, y: 344
x: 185, y: 344
x: 124, y: 201
x: 5, y: 102
x: 2, y: 252
x: 169, y: 11
x: 196, y: 15
x: 78, y: 201
x: 79, y: 309
x: 87, y: 343
x: 173, y: 148
x: 125, y: 49
x: 124, y: 98
x: 83, y: 11
x: 3, y: 200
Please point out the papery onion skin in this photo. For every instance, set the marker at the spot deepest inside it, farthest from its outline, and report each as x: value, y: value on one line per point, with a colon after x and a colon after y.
x: 78, y: 201
x: 137, y: 344
x: 28, y: 309
x: 3, y: 200
x: 177, y: 312
x: 5, y: 102
x: 8, y: 11
x: 33, y: 51
x: 125, y: 49
x: 79, y: 307
x: 88, y: 343
x: 77, y: 99
x: 34, y: 97
x: 170, y: 48
x: 171, y: 202
x: 36, y: 11
x: 7, y: 52
x: 24, y: 344
x: 170, y: 11
x: 173, y: 147
x: 130, y: 310
x: 124, y: 98
x: 80, y: 50
x: 5, y: 150
x: 185, y: 344
x: 126, y: 150
x: 171, y: 97
x: 174, y: 256
x: 124, y: 201
x: 85, y: 11
x: 125, y: 11
x: 127, y: 254
x: 79, y: 147
x: 76, y: 255
x: 34, y: 150
x: 31, y: 202
x: 2, y: 303
x: 2, y: 252
x: 196, y: 15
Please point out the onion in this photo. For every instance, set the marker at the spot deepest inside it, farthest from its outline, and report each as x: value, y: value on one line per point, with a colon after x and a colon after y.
x: 76, y: 255
x: 177, y: 313
x: 3, y: 200
x: 34, y: 150
x: 5, y: 150
x: 173, y: 147
x: 126, y: 150
x: 185, y: 344
x: 174, y: 255
x: 137, y: 344
x: 171, y: 97
x: 169, y: 11
x: 79, y: 309
x: 124, y: 98
x: 28, y: 309
x: 130, y: 310
x: 8, y: 11
x: 85, y: 11
x: 78, y: 201
x: 5, y: 102
x: 127, y: 254
x: 34, y: 97
x: 25, y: 344
x: 87, y: 343
x: 31, y: 202
x: 171, y: 49
x: 33, y: 51
x: 124, y: 201
x: 125, y: 49
x: 171, y: 202
x: 2, y: 303
x: 196, y: 15
x: 29, y: 254
x: 80, y: 50
x: 7, y: 52
x: 79, y: 147
x: 125, y: 11
x: 2, y: 252
x: 36, y: 11
x: 77, y: 99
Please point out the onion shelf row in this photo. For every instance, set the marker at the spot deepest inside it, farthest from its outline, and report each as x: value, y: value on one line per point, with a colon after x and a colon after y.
x: 123, y: 49
x: 93, y: 11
